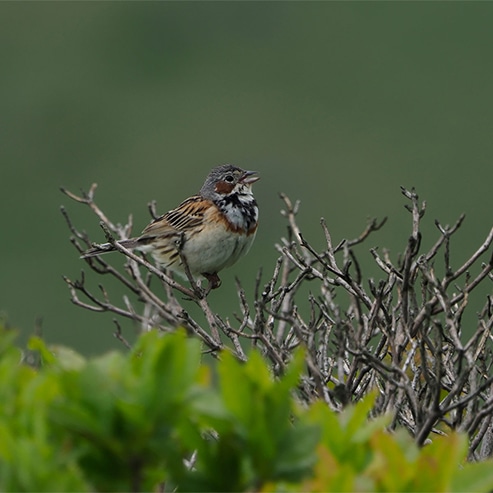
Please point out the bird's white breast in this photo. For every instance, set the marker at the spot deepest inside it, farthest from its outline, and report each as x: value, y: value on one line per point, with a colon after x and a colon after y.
x: 215, y: 248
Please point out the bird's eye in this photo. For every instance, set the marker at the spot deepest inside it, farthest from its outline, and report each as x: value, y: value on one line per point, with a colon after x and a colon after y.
x: 229, y: 178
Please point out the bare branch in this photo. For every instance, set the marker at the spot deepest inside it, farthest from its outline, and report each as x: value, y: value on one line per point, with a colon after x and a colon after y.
x: 402, y: 334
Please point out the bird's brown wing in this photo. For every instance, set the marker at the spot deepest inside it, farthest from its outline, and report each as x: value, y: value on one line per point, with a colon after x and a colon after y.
x: 188, y: 215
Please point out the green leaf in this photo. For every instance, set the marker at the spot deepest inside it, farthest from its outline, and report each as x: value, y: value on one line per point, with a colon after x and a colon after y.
x: 35, y: 343
x: 332, y: 435
x: 330, y: 475
x: 167, y: 368
x: 67, y: 358
x: 364, y: 433
x: 296, y: 454
x: 438, y: 462
x: 389, y: 467
x: 473, y: 477
x: 236, y: 390
x: 354, y: 418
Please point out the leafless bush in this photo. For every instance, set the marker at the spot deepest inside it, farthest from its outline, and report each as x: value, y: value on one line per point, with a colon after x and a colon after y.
x: 402, y: 334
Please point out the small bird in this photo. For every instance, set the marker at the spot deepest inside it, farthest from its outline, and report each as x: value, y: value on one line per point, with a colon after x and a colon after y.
x: 210, y: 230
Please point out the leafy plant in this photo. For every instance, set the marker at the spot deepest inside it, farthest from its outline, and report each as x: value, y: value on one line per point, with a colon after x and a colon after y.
x: 32, y: 456
x: 360, y: 455
x: 158, y: 418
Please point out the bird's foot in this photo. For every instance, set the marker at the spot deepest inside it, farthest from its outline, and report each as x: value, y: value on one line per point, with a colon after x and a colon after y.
x: 214, y: 282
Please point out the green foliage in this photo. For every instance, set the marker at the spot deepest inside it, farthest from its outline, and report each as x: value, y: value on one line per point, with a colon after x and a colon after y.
x: 257, y: 441
x: 359, y: 455
x: 157, y: 416
x: 31, y: 457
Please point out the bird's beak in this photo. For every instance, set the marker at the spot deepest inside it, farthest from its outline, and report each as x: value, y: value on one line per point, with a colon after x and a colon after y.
x: 249, y: 177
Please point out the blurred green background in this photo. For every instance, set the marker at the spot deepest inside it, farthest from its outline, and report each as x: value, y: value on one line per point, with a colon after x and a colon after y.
x: 336, y: 104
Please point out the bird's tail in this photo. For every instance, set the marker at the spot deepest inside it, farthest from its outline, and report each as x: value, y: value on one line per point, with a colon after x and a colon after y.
x: 108, y: 247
